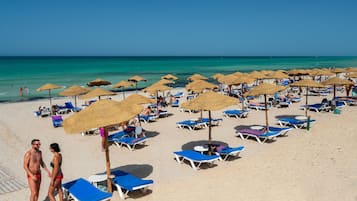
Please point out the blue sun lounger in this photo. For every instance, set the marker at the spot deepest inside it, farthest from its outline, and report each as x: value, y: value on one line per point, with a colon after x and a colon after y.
x: 258, y: 134
x: 214, y: 121
x: 257, y: 106
x: 191, y: 124
x: 147, y: 118
x: 225, y: 151
x: 129, y: 142
x: 194, y: 157
x: 236, y: 113
x: 126, y: 182
x: 81, y: 190
x: 296, y: 123
x: 57, y: 121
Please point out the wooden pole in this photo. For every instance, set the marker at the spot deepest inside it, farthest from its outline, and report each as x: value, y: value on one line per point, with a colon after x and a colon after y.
x: 107, y: 159
x: 266, y: 112
x: 306, y: 106
x: 209, y: 132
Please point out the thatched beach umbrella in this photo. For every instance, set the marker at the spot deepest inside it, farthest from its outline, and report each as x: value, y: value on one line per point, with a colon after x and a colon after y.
x: 307, y: 83
x: 98, y: 92
x: 103, y: 113
x: 197, y: 77
x: 49, y: 87
x: 169, y: 77
x: 136, y: 79
x: 98, y: 82
x: 198, y: 86
x: 210, y: 101
x: 75, y: 91
x: 277, y: 75
x: 123, y: 84
x: 265, y: 89
x: 164, y: 81
x: 351, y: 70
x: 352, y: 75
x: 335, y: 81
x: 217, y: 76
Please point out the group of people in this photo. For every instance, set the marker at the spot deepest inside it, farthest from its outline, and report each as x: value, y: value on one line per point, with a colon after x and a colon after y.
x: 32, y: 164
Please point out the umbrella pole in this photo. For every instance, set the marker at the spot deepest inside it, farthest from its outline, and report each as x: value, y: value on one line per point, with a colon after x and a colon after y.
x: 209, y: 132
x: 75, y: 101
x: 266, y: 112
x: 306, y: 106
x: 334, y: 91
x: 109, y: 182
x: 49, y: 94
x: 136, y: 87
x: 242, y: 99
x: 123, y: 94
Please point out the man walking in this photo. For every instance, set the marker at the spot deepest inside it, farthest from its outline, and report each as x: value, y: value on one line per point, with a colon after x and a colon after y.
x: 32, y: 163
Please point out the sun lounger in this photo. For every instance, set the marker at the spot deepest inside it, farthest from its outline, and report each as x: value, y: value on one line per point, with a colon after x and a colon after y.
x: 129, y: 142
x: 225, y: 151
x: 147, y: 118
x: 214, y: 121
x: 296, y: 123
x: 44, y: 112
x: 191, y: 124
x: 126, y: 182
x: 236, y: 113
x: 295, y: 99
x: 70, y: 106
x: 194, y: 157
x: 176, y: 103
x: 163, y: 113
x: 318, y: 107
x: 281, y: 130
x: 258, y: 134
x: 258, y: 106
x: 82, y: 190
x: 179, y: 95
x: 57, y: 121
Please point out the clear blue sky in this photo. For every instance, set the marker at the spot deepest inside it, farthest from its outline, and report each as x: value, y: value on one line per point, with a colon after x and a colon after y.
x: 178, y: 28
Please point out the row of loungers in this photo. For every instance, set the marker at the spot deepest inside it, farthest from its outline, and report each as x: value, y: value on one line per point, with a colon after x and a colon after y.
x: 81, y: 189
x: 193, y: 124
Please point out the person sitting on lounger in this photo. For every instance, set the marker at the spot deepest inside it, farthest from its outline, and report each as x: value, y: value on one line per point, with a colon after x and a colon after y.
x: 146, y: 111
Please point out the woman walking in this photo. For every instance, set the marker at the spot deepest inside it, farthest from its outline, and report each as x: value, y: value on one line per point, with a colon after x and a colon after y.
x: 57, y: 175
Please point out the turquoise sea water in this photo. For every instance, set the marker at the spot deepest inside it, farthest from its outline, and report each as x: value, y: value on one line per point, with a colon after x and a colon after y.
x: 33, y: 72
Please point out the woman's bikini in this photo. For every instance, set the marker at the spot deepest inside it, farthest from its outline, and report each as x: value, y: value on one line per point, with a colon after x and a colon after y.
x: 60, y: 176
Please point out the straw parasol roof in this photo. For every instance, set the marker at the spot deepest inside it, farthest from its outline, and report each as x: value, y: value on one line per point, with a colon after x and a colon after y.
x: 122, y: 83
x: 169, y: 77
x: 217, y: 76
x: 295, y: 72
x: 265, y: 89
x: 196, y: 77
x: 101, y: 114
x: 136, y: 78
x: 98, y: 92
x: 164, y: 81
x: 307, y: 83
x: 353, y: 75
x: 338, y: 70
x: 98, y: 82
x: 257, y: 75
x: 277, y: 75
x: 48, y: 87
x: 75, y: 91
x: 138, y: 99
x: 153, y: 89
x: 200, y: 85
x: 351, y: 69
x: 235, y: 80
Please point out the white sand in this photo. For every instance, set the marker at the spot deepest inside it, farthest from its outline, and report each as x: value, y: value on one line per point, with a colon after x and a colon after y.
x: 319, y: 164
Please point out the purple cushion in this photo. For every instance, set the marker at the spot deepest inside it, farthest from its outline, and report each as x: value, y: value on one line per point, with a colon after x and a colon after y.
x: 220, y: 148
x: 251, y: 131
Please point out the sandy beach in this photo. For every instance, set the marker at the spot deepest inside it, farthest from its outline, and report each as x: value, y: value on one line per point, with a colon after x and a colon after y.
x: 315, y: 165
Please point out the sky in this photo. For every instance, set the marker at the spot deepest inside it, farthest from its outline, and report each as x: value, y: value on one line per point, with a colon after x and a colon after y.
x: 178, y: 28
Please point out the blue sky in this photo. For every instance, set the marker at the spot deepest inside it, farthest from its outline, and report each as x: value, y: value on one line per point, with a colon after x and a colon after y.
x: 178, y: 28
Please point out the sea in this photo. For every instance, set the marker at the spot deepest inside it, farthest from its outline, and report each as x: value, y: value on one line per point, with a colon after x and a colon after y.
x: 31, y: 73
